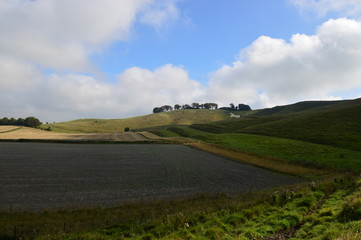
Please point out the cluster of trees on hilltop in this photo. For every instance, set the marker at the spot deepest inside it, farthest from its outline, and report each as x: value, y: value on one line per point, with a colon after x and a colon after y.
x: 240, y: 107
x: 167, y: 108
x: 27, y: 122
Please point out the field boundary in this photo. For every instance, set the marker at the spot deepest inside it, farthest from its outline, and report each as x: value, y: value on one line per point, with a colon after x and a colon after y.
x: 272, y: 164
x: 86, y: 141
x: 11, y: 130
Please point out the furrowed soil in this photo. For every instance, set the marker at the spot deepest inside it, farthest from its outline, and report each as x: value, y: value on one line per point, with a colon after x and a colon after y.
x: 37, y: 176
x: 16, y: 133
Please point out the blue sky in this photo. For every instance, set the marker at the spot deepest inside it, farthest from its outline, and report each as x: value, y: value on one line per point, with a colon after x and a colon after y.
x: 67, y: 59
x: 207, y: 35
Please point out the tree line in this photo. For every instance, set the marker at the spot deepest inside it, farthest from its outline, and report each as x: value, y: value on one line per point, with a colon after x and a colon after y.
x: 167, y: 108
x: 27, y: 122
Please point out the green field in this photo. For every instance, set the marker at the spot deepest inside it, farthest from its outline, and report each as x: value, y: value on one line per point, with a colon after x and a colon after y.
x: 319, y: 141
x: 294, y: 151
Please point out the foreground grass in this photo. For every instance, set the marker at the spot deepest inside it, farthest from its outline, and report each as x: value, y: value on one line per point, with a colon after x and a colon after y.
x: 325, y: 210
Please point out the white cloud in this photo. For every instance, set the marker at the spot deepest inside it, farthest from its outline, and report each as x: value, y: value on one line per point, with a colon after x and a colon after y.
x: 17, y: 76
x: 349, y: 8
x: 273, y: 71
x: 69, y: 96
x: 140, y: 88
x: 63, y: 34
x: 160, y: 14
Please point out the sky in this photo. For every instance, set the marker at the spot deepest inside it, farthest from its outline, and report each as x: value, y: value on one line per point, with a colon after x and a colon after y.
x: 62, y: 60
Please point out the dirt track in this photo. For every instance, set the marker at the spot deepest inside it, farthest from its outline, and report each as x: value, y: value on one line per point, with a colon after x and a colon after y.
x: 15, y: 133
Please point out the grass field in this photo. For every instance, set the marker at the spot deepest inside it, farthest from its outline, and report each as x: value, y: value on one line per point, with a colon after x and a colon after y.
x: 293, y: 151
x: 6, y: 129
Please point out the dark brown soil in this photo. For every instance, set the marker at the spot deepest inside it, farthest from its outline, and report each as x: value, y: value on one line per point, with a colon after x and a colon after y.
x: 35, y: 176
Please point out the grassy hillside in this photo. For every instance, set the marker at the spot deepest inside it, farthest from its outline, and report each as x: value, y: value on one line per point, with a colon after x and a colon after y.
x: 331, y: 123
x: 276, y: 151
x: 317, y: 134
x: 180, y: 117
x: 306, y: 106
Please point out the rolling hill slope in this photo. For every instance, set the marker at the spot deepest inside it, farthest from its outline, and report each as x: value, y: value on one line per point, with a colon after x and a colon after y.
x: 180, y: 117
x: 332, y: 123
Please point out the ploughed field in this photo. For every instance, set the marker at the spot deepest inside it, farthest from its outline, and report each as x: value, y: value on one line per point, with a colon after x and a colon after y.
x: 36, y: 176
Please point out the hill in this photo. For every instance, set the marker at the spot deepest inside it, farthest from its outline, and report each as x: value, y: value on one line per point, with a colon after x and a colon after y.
x: 317, y: 134
x: 335, y: 123
x: 179, y: 117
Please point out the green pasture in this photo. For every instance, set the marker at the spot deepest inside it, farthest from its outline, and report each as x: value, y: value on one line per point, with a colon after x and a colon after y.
x: 294, y: 151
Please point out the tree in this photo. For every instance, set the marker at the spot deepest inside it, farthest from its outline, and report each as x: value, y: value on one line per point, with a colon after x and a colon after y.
x: 167, y: 108
x: 232, y: 106
x: 177, y: 107
x: 20, y: 122
x: 4, y: 121
x: 244, y: 107
x: 214, y: 106
x: 12, y: 121
x: 32, y: 122
x: 207, y: 106
x: 186, y: 106
x: 157, y: 110
x: 195, y: 105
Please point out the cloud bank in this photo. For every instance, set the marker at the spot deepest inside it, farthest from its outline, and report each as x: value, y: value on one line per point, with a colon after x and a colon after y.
x: 274, y: 71
x: 59, y: 97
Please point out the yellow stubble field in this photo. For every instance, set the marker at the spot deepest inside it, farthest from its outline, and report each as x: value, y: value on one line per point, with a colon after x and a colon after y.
x: 16, y: 133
